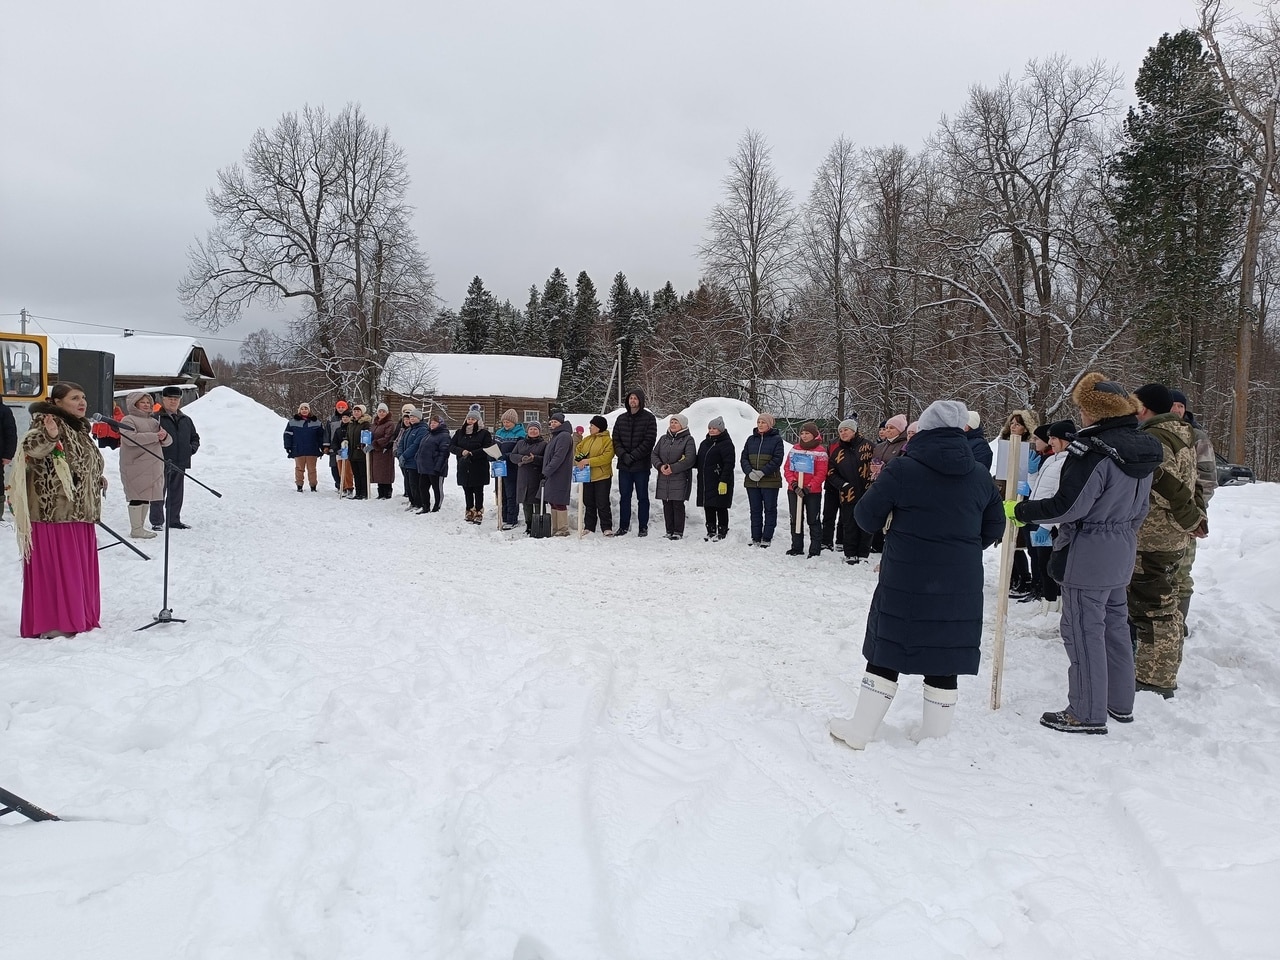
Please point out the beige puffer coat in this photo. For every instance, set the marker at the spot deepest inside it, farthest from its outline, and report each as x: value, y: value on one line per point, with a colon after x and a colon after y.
x: 141, y: 474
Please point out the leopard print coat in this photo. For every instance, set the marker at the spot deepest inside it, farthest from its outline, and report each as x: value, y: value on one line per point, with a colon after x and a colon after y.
x: 47, y: 501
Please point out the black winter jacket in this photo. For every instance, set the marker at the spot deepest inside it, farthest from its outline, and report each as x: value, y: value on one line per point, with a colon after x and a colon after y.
x: 849, y: 468
x: 186, y: 441
x: 634, y: 435
x: 926, y: 614
x: 717, y: 464
x: 8, y: 434
x: 473, y: 470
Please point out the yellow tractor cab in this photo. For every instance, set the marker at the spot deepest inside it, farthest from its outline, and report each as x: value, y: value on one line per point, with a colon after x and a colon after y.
x: 24, y: 373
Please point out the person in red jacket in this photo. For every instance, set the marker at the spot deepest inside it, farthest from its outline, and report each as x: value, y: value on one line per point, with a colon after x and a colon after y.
x: 804, y: 490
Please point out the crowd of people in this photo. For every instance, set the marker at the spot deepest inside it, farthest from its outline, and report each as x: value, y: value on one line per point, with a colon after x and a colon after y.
x: 1112, y: 512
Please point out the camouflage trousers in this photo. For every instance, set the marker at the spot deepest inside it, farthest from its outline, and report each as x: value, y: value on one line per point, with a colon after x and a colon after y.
x: 1185, y: 584
x: 1155, y: 618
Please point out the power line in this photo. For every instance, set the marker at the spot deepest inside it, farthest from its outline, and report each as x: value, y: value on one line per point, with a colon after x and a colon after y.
x: 107, y: 326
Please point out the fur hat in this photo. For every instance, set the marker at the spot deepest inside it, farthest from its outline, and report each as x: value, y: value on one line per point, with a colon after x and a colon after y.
x: 811, y: 428
x: 898, y: 422
x: 1062, y: 429
x: 600, y: 423
x: 848, y: 423
x: 1156, y: 397
x: 509, y: 415
x: 679, y: 418
x: 557, y: 415
x: 767, y: 418
x: 171, y: 391
x: 944, y: 413
x: 1029, y: 421
x: 1099, y: 398
x: 717, y: 423
x: 975, y: 420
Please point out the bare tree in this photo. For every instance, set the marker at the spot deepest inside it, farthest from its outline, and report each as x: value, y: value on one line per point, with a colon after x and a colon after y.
x: 751, y: 251
x: 1247, y: 58
x: 1021, y: 159
x: 829, y: 248
x: 317, y: 213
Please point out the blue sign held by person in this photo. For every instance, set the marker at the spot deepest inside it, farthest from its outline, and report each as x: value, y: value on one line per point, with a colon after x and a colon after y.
x: 498, y: 468
x: 582, y: 474
x: 801, y: 462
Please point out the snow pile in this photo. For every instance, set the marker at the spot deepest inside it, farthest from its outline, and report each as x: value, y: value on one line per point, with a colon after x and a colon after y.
x: 382, y: 735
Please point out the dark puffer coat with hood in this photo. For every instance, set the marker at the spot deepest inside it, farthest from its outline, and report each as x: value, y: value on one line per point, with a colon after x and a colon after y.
x: 926, y: 614
x: 433, y: 452
x: 1103, y: 496
x: 634, y: 435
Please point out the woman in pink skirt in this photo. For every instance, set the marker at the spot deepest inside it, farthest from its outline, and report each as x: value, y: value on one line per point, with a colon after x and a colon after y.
x: 56, y: 489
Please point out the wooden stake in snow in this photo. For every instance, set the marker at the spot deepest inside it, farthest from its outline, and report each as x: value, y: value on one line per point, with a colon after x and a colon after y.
x: 1007, y: 546
x: 498, y: 500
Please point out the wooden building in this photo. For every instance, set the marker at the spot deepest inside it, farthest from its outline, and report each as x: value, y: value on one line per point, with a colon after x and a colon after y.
x: 143, y: 361
x: 452, y: 382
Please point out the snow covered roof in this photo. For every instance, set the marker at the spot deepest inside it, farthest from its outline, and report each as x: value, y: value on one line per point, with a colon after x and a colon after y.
x: 471, y: 375
x: 137, y: 355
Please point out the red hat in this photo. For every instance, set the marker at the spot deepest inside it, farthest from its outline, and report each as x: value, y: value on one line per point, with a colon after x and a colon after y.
x: 340, y: 405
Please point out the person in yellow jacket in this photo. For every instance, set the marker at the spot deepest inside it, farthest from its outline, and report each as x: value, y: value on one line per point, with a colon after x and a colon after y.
x: 595, y: 450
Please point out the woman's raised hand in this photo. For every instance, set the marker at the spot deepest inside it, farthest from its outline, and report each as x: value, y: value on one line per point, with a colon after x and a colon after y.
x: 51, y: 426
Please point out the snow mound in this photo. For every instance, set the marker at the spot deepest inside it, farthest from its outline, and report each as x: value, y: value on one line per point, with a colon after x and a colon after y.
x: 739, y: 418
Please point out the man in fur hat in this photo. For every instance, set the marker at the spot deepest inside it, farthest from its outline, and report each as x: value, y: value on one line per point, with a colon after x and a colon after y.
x: 1101, y: 502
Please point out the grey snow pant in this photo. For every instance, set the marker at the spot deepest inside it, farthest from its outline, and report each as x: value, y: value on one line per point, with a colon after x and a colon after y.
x: 1095, y: 631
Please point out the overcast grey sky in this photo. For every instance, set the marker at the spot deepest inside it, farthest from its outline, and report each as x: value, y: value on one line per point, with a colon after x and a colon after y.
x: 542, y: 133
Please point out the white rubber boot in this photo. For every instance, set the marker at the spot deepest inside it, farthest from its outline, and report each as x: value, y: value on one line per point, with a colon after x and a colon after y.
x: 939, y: 706
x: 873, y: 703
x: 138, y: 523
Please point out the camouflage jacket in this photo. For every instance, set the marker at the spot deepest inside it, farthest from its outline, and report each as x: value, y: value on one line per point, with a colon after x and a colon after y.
x: 1177, y: 506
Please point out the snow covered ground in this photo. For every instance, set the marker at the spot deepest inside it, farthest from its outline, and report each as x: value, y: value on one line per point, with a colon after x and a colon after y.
x: 382, y: 735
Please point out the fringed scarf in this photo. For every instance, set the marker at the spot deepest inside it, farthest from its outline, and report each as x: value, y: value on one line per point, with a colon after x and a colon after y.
x: 18, y: 492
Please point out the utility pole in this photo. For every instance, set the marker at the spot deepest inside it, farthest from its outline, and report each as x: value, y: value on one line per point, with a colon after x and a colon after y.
x: 23, y: 313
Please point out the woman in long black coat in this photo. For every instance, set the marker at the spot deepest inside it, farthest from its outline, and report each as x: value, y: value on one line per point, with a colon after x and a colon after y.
x: 469, y: 444
x: 717, y: 463
x: 926, y: 614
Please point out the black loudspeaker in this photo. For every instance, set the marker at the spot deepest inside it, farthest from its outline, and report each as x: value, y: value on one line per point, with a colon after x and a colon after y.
x: 95, y: 371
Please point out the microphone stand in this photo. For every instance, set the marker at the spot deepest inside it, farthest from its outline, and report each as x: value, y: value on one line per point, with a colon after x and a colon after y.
x: 166, y: 613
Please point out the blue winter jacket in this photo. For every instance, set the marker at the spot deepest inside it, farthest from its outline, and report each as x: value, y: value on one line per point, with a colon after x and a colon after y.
x: 926, y: 614
x: 433, y: 455
x: 304, y: 438
x: 410, y: 443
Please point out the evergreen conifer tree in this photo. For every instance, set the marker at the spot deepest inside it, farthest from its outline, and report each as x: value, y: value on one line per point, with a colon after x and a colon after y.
x: 557, y: 311
x: 578, y: 380
x: 1178, y: 202
x: 623, y: 317
x: 476, y: 320
x: 534, y: 333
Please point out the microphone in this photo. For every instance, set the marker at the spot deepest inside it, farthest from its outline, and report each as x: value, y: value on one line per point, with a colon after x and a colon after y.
x: 114, y: 424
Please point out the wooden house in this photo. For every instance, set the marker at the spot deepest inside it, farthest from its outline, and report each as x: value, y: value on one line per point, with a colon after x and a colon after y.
x: 453, y: 382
